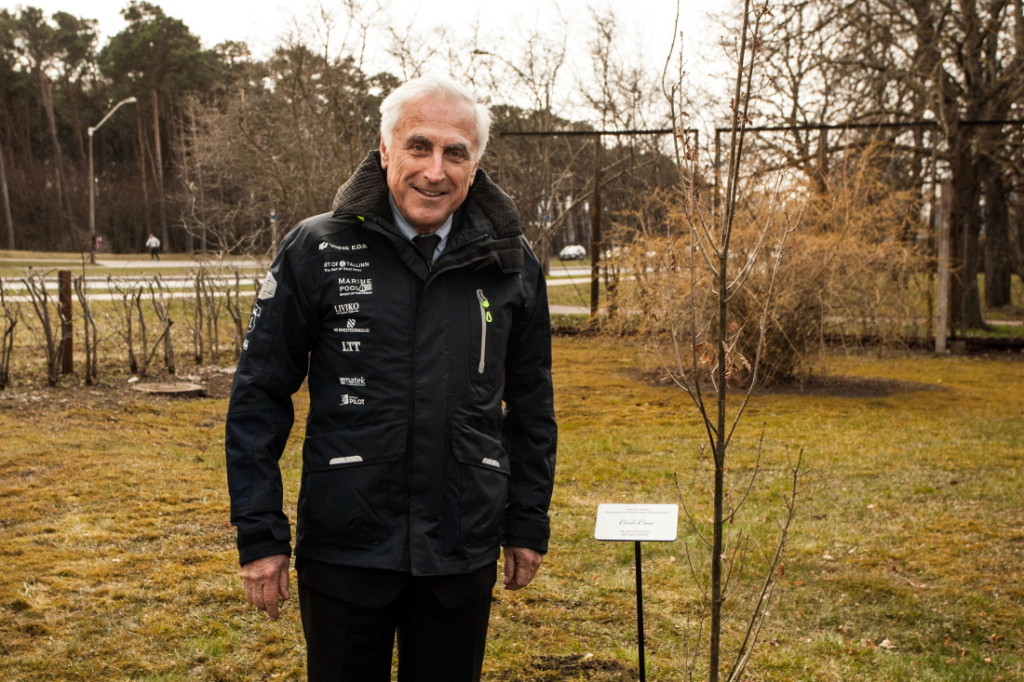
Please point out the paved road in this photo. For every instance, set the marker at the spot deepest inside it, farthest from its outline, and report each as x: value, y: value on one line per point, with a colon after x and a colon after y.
x: 144, y: 263
x: 564, y: 276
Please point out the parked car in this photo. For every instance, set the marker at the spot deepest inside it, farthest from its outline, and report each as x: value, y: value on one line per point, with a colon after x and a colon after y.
x: 572, y: 252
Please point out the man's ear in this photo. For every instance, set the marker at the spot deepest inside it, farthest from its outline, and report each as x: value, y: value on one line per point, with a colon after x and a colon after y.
x: 383, y: 153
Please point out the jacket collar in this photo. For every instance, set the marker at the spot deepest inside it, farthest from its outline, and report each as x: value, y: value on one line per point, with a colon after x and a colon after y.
x: 365, y: 194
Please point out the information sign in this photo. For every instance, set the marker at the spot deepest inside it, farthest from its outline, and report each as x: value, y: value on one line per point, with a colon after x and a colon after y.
x: 637, y: 522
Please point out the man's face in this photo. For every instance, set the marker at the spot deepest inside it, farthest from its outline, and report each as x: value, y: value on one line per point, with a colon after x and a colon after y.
x: 430, y: 162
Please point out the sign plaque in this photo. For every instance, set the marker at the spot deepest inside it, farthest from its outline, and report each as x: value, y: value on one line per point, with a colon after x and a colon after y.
x: 637, y: 522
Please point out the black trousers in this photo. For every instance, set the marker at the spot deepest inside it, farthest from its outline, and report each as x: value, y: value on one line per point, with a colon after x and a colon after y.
x: 350, y: 618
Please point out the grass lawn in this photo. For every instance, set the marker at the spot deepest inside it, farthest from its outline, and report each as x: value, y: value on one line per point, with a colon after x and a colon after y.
x: 904, y: 561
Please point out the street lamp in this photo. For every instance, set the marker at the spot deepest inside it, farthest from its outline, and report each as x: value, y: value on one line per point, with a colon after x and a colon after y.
x: 92, y: 181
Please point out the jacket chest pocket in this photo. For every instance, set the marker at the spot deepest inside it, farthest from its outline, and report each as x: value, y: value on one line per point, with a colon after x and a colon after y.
x: 488, y: 316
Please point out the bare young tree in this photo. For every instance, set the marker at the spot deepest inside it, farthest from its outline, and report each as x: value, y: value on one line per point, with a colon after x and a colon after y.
x: 704, y: 291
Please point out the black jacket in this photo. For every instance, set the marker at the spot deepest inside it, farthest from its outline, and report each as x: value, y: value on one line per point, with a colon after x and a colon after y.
x: 410, y: 461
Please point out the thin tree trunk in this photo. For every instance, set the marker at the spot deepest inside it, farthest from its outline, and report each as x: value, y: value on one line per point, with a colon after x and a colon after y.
x: 5, y: 197
x: 997, y: 239
x: 200, y: 202
x: 158, y: 172
x: 140, y: 140
x: 62, y: 181
x: 966, y: 304
x: 71, y: 94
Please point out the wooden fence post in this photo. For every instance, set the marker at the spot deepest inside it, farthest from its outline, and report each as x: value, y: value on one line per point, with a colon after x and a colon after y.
x: 66, y: 335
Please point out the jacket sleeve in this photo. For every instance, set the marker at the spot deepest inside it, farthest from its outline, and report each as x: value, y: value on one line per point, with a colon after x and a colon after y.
x: 529, y: 432
x: 272, y: 366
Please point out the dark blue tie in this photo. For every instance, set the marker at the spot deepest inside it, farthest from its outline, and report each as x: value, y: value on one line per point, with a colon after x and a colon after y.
x: 427, y: 244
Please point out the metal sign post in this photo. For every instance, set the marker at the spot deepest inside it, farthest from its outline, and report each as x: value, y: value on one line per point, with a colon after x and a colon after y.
x: 637, y: 523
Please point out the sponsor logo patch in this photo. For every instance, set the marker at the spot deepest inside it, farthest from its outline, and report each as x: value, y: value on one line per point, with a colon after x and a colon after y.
x: 352, y: 381
x: 269, y: 287
x: 348, y: 286
x: 338, y: 247
x: 351, y: 328
x: 345, y: 265
x: 346, y: 308
x: 347, y: 399
x: 350, y: 346
x: 256, y: 310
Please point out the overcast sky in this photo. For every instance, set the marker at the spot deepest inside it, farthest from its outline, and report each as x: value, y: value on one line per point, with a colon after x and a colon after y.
x: 260, y: 22
x: 645, y: 25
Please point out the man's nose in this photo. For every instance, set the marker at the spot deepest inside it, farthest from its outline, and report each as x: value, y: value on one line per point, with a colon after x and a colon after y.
x: 434, y: 172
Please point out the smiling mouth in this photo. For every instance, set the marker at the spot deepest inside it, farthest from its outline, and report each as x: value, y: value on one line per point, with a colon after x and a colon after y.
x: 432, y: 195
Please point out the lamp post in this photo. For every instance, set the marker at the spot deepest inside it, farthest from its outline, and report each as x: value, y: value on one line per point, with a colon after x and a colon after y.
x: 92, y: 181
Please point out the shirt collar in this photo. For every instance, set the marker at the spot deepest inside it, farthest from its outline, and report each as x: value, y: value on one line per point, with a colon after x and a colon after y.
x: 409, y: 231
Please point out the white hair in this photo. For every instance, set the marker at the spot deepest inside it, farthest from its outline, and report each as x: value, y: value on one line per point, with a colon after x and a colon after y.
x: 441, y: 88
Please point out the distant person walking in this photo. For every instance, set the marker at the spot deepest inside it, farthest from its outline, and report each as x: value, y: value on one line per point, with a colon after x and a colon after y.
x: 153, y: 244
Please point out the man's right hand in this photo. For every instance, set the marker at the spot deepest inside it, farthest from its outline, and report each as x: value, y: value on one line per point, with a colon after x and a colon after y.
x: 265, y: 581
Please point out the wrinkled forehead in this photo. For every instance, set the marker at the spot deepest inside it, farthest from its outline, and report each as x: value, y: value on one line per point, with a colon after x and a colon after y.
x: 451, y: 116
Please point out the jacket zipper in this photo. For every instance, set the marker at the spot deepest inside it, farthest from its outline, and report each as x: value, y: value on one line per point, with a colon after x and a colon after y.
x: 485, y: 317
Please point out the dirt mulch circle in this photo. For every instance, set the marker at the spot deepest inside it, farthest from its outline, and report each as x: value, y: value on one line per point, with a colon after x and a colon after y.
x: 838, y: 386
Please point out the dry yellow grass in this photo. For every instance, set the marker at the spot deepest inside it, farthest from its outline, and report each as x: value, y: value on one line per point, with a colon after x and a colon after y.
x: 118, y: 563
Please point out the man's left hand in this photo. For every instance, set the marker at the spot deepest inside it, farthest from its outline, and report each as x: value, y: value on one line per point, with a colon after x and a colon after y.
x: 521, y: 564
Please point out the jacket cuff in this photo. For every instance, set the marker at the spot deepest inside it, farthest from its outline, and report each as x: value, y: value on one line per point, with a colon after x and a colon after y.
x: 263, y: 542
x: 529, y: 535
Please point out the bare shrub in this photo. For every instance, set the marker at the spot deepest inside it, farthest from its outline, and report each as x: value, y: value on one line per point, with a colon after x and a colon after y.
x: 875, y: 274
x: 90, y: 334
x: 162, y: 300
x: 852, y: 271
x: 48, y: 313
x: 664, y: 290
x: 126, y: 297
x: 12, y: 314
x: 216, y: 291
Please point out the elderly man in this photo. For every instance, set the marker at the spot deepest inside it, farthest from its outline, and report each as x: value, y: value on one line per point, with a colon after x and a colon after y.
x: 419, y: 315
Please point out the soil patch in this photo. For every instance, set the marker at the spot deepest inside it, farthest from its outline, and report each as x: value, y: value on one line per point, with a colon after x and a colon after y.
x: 848, y: 387
x: 570, y: 667
x: 838, y: 386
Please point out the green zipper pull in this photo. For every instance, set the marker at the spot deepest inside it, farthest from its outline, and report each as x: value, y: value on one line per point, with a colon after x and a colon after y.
x: 485, y: 304
x: 485, y: 318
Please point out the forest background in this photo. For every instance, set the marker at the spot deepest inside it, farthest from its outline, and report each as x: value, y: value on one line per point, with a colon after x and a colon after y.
x: 871, y: 107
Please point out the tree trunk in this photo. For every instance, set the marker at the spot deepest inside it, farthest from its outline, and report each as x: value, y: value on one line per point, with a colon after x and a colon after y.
x: 966, y: 227
x: 997, y: 238
x: 62, y: 181
x: 71, y: 94
x: 158, y: 172
x: 140, y: 140
x: 5, y: 197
